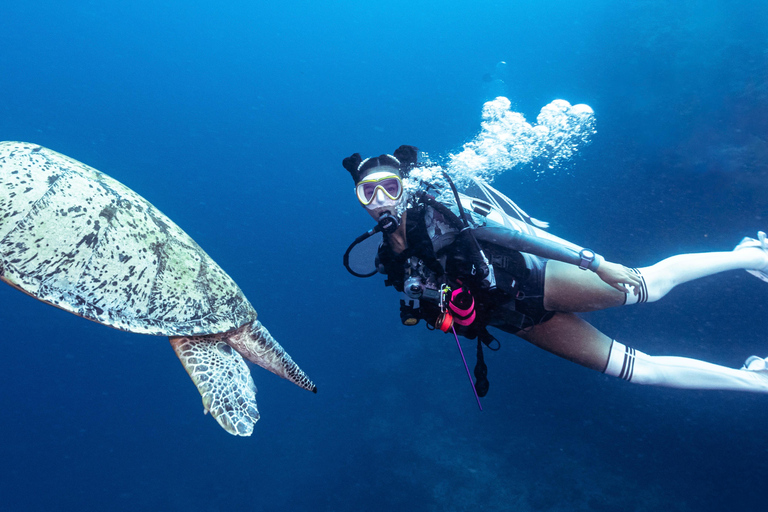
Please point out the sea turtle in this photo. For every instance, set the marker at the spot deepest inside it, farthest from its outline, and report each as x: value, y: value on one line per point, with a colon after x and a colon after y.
x: 79, y: 240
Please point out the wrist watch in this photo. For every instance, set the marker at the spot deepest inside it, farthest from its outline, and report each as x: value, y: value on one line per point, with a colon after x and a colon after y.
x: 587, y: 257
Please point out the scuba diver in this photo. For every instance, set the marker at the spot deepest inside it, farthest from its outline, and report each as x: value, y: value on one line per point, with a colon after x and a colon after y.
x: 467, y: 264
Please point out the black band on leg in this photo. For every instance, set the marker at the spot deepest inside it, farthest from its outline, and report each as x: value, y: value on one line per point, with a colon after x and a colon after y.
x: 621, y: 361
x: 642, y: 290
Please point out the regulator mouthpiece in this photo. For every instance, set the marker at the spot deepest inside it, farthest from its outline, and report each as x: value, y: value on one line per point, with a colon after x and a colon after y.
x: 388, y: 223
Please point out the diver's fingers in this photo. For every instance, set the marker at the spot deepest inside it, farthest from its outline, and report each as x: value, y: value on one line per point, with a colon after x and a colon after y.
x: 619, y: 285
x: 632, y: 278
x: 628, y: 286
x: 623, y: 287
x: 631, y: 282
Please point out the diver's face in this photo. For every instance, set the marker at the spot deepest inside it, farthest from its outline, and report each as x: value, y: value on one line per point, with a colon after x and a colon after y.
x: 380, y: 192
x: 382, y: 204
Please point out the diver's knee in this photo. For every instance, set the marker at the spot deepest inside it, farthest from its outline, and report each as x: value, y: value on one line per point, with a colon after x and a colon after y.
x: 622, y: 363
x: 656, y: 281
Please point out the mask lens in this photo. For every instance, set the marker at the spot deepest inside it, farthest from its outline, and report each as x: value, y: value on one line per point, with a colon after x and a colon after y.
x: 392, y: 187
x: 369, y: 189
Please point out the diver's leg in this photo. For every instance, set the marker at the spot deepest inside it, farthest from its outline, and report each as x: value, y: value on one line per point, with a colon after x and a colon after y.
x: 571, y: 289
x: 568, y: 288
x: 572, y: 338
x: 681, y: 372
x: 666, y: 274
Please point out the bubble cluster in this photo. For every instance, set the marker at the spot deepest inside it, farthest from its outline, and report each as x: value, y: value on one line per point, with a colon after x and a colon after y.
x: 506, y: 140
x: 427, y: 177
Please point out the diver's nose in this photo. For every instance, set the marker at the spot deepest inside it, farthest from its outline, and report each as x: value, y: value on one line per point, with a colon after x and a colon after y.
x: 380, y: 198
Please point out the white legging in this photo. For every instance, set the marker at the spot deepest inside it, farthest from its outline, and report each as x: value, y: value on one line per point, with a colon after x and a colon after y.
x: 660, y: 278
x: 681, y: 372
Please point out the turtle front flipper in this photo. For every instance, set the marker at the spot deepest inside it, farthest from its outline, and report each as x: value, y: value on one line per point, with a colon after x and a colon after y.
x: 223, y: 379
x: 254, y: 343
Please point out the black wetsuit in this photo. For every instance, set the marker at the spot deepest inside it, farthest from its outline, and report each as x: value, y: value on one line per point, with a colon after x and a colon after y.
x: 433, y: 235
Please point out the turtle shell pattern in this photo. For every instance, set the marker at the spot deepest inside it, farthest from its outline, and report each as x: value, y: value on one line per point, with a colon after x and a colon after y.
x: 82, y: 241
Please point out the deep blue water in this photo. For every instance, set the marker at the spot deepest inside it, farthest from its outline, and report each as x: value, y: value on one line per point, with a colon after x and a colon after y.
x: 233, y: 117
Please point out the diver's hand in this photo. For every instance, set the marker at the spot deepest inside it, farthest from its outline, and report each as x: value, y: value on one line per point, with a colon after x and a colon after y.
x: 618, y: 276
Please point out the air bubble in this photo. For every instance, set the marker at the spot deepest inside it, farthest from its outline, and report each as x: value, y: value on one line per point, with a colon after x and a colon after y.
x: 507, y: 140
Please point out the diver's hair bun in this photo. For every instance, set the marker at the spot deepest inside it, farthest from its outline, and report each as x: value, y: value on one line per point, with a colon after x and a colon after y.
x: 408, y: 156
x: 403, y: 160
x: 351, y: 163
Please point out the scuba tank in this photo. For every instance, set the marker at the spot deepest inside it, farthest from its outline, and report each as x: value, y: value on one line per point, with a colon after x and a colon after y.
x: 501, y: 212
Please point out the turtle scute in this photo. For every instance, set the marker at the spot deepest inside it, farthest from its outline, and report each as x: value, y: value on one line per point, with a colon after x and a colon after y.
x: 77, y: 239
x: 84, y: 242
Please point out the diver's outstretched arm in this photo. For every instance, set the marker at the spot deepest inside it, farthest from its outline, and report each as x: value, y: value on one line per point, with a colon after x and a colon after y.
x: 572, y: 338
x: 566, y: 288
x: 616, y: 276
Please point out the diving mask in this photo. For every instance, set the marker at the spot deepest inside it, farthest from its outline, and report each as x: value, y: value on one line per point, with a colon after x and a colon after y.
x: 390, y: 184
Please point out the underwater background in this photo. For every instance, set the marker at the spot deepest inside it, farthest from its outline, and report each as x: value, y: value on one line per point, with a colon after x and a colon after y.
x: 232, y: 117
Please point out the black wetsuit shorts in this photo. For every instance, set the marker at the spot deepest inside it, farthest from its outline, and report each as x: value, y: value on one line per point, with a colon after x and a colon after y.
x: 529, y: 300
